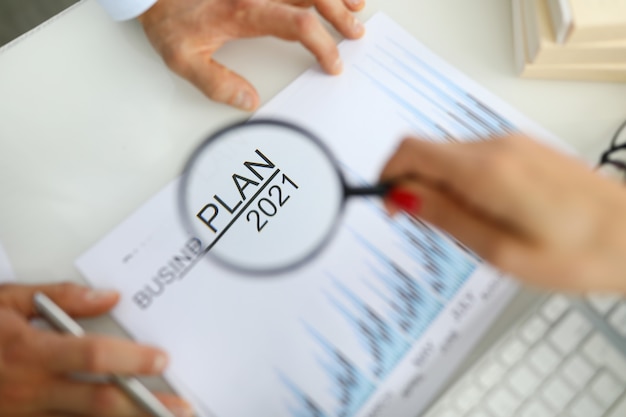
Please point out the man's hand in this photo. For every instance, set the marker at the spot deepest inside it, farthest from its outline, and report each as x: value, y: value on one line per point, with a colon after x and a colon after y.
x: 36, y: 366
x: 188, y: 32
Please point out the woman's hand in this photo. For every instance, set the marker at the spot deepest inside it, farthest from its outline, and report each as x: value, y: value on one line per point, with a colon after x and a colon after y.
x: 527, y: 209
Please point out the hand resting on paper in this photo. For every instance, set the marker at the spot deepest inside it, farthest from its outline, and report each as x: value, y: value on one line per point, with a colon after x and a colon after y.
x: 36, y: 365
x: 527, y: 209
x: 188, y: 32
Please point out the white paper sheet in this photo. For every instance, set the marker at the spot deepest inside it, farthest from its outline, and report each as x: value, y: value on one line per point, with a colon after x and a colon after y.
x: 378, y: 321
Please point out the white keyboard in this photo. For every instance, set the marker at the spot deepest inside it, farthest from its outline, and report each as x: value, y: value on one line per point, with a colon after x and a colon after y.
x: 567, y: 358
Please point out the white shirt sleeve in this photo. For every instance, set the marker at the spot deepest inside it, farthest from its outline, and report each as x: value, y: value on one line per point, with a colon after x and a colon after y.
x: 125, y: 9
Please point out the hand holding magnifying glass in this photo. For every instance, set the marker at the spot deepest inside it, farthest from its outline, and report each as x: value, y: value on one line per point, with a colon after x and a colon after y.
x: 264, y: 196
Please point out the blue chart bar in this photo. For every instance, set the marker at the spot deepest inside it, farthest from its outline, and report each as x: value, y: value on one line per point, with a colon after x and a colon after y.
x: 423, y: 123
x: 464, y: 100
x: 446, y: 265
x: 376, y: 334
x: 409, y: 304
x: 304, y: 406
x: 440, y: 101
x: 441, y: 262
x: 447, y: 112
x: 348, y: 386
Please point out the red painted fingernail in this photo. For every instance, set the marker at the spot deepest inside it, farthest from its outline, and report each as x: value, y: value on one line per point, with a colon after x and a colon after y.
x: 406, y: 201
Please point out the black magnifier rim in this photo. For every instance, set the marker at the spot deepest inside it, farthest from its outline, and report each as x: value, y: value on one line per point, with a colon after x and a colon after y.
x: 250, y: 123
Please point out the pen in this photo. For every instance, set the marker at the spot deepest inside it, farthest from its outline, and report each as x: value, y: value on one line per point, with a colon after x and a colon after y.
x: 130, y: 385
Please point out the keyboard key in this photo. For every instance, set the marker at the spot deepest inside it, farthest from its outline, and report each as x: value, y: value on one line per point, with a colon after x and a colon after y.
x: 544, y: 359
x: 594, y: 349
x: 468, y: 397
x: 585, y: 406
x: 512, y: 351
x: 535, y: 409
x: 478, y: 414
x: 441, y: 409
x: 599, y: 352
x: 557, y: 393
x: 620, y: 409
x: 568, y: 333
x: 502, y: 402
x: 554, y: 308
x: 523, y: 380
x: 606, y: 388
x: 443, y: 413
x: 617, y: 319
x: 614, y: 360
x: 603, y: 303
x: 578, y: 371
x: 533, y: 329
x: 490, y: 374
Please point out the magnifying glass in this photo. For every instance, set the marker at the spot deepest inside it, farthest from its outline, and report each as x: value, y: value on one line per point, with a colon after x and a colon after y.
x: 264, y: 195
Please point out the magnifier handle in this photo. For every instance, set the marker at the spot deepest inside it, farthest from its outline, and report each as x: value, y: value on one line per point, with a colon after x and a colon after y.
x: 376, y: 190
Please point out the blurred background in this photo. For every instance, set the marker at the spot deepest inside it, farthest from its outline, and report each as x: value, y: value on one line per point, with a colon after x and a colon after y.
x: 19, y: 16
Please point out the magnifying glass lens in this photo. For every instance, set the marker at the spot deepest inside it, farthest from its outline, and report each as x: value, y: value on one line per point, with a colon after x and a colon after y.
x: 263, y: 196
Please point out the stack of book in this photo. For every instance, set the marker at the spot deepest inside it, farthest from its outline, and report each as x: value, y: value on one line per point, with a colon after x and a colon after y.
x: 570, y: 39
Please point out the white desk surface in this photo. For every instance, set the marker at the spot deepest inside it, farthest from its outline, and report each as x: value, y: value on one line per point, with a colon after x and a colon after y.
x: 92, y: 123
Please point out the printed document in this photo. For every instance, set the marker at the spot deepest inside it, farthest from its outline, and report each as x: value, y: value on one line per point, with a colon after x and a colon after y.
x: 376, y: 322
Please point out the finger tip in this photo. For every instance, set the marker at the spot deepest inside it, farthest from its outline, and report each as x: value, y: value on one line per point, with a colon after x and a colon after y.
x: 355, y: 5
x: 358, y: 29
x: 177, y: 405
x: 248, y: 109
x: 101, y: 296
x: 336, y: 68
x: 182, y: 409
x: 256, y: 101
x: 255, y: 105
x: 246, y: 100
x: 242, y: 100
x: 161, y: 360
x: 356, y: 35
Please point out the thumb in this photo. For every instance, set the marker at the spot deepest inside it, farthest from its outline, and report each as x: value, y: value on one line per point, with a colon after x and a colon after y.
x: 218, y: 82
x: 76, y: 300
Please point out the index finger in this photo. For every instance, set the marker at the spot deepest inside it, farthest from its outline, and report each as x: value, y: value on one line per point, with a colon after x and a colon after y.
x: 59, y: 353
x: 480, y: 174
x: 76, y: 300
x: 294, y: 23
x: 342, y: 19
